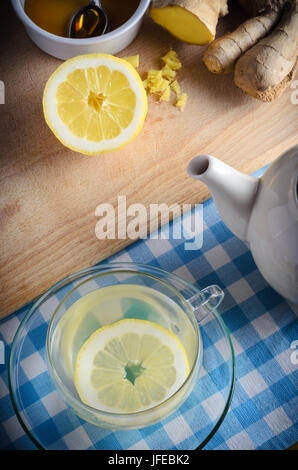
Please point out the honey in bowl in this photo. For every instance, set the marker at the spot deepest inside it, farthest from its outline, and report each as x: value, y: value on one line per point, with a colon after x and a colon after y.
x: 54, y: 15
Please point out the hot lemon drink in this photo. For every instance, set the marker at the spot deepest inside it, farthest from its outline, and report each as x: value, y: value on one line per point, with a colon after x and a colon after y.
x: 124, y: 348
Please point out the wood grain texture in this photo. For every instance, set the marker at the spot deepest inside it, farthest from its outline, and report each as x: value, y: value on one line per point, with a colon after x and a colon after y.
x: 293, y: 447
x: 49, y: 193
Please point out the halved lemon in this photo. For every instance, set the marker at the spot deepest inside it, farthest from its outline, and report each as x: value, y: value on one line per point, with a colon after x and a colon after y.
x: 130, y: 366
x: 95, y: 103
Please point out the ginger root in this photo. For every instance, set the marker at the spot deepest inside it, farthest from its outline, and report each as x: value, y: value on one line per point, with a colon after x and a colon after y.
x: 263, y: 51
x: 221, y: 55
x: 191, y: 21
x: 256, y: 7
x: 266, y: 69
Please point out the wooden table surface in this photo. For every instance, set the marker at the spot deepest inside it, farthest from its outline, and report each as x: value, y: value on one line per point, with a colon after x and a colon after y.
x: 49, y: 193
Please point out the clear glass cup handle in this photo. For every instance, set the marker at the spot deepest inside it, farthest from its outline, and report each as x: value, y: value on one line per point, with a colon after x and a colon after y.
x: 206, y: 301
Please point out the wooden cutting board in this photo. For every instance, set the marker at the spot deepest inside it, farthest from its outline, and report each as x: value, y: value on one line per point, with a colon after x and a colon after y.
x: 49, y: 193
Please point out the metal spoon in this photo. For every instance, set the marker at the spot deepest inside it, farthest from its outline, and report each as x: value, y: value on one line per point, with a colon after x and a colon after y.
x: 88, y: 21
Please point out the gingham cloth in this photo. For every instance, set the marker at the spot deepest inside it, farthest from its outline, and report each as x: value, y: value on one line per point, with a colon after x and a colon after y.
x: 264, y: 409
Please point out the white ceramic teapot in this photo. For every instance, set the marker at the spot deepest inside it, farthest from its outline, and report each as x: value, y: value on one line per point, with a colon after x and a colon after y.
x: 261, y: 211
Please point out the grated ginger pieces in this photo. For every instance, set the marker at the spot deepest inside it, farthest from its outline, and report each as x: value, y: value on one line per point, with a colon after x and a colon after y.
x: 155, y: 82
x: 176, y: 87
x: 134, y: 60
x: 163, y: 81
x: 168, y: 73
x: 181, y: 101
x: 166, y: 95
x: 171, y: 59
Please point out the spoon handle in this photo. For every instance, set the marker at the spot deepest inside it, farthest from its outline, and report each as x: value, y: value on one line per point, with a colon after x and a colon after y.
x: 96, y: 3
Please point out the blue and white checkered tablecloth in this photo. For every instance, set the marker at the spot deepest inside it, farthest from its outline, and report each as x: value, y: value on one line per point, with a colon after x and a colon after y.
x: 264, y: 409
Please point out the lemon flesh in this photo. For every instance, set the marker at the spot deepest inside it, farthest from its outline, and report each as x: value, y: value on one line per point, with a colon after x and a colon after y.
x: 95, y: 103
x: 131, y: 365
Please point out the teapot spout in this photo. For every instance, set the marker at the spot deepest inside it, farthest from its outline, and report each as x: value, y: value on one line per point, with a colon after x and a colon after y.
x: 234, y: 193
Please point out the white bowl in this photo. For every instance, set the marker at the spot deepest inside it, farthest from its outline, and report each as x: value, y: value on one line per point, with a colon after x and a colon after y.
x: 65, y: 48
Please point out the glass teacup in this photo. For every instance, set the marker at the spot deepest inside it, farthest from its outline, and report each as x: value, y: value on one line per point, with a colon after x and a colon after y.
x: 109, y: 293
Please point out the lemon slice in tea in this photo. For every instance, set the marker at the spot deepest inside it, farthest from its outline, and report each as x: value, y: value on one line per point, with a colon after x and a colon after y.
x: 130, y: 366
x: 95, y: 103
